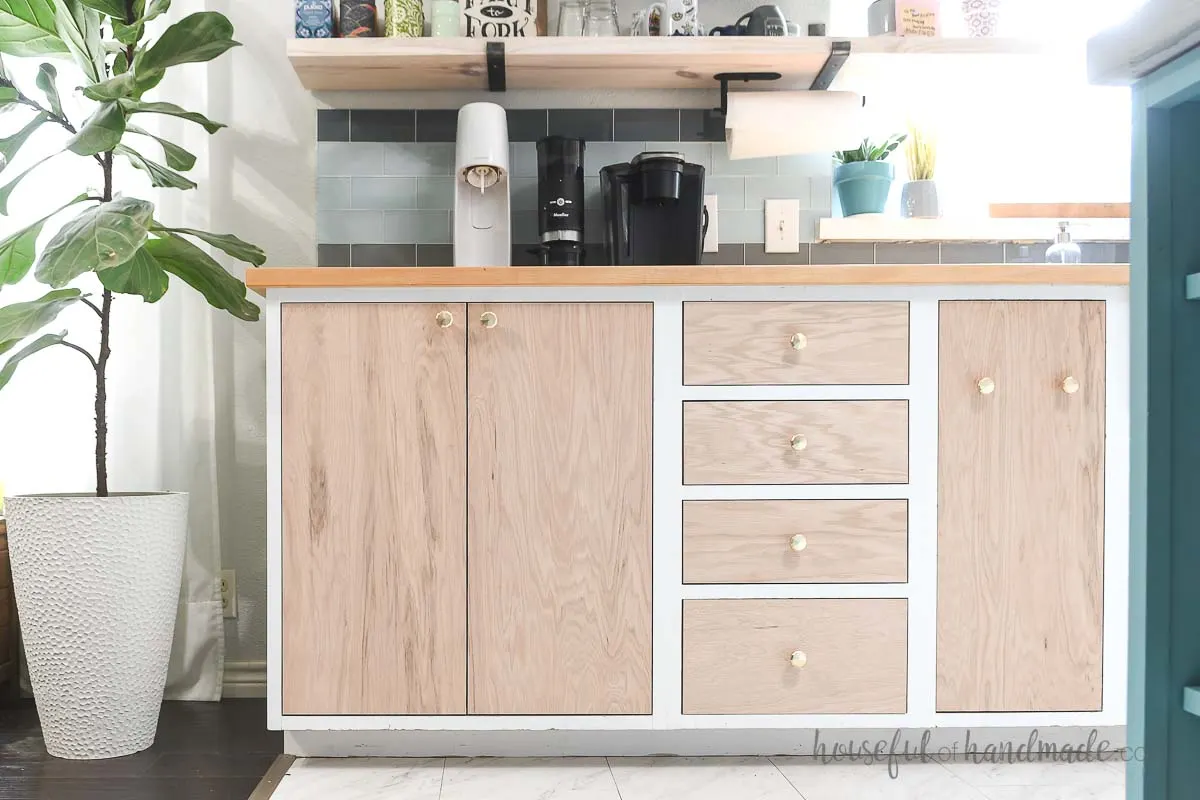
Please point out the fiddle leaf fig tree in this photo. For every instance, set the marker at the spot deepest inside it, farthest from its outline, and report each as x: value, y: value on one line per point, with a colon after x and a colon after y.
x: 109, y: 233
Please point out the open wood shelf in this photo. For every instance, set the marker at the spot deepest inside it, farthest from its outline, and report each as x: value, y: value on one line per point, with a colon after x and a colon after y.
x: 551, y: 62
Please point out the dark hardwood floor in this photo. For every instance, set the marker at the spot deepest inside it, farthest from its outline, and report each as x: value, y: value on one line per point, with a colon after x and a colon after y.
x: 215, y: 751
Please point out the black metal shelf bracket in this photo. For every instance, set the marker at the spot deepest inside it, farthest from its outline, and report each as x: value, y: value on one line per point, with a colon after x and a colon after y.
x: 497, y: 80
x: 726, y: 77
x: 832, y: 66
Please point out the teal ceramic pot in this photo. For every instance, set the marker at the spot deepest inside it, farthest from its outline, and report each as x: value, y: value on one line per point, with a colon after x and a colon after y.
x: 863, y: 186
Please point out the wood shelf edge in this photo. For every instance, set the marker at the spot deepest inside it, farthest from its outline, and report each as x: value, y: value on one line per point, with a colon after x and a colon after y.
x: 262, y: 280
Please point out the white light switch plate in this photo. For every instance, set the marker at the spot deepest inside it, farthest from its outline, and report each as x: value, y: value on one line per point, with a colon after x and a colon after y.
x: 782, y: 234
x: 711, y: 244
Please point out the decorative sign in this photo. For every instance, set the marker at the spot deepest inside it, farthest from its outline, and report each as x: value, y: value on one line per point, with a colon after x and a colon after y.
x: 917, y: 18
x: 500, y: 19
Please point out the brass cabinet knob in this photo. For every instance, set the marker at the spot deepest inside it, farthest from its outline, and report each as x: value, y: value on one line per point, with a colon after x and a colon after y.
x: 488, y: 319
x: 798, y: 542
x: 799, y: 442
x: 444, y: 319
x: 799, y: 341
x: 986, y: 385
x: 798, y: 659
x: 1070, y: 384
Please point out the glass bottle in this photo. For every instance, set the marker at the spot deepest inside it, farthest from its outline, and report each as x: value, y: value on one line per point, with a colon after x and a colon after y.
x: 1064, y: 251
x: 601, y: 19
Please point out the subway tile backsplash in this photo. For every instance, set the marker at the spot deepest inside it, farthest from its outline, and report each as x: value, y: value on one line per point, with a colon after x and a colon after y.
x: 385, y: 189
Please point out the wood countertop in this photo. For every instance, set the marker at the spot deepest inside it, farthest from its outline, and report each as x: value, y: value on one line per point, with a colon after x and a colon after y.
x: 263, y: 279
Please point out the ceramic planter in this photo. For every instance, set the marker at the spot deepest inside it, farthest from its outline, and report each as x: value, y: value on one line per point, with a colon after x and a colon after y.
x: 863, y: 186
x: 97, y: 583
x: 919, y: 200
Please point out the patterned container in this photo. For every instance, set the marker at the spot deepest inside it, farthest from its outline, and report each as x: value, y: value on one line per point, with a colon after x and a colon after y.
x: 404, y: 18
x: 982, y: 17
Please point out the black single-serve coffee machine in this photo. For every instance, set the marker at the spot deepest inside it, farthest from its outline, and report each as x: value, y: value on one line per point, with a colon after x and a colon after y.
x: 653, y: 210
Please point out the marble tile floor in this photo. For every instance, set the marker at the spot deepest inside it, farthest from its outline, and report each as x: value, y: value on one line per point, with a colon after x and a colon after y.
x: 660, y: 778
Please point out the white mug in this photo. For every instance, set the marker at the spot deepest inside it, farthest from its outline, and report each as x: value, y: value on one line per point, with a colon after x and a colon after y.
x: 674, y: 16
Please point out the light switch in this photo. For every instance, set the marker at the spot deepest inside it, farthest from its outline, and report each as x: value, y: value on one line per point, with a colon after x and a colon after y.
x: 711, y: 244
x: 782, y: 234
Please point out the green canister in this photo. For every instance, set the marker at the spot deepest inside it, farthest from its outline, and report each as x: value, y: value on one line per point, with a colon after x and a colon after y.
x: 404, y: 18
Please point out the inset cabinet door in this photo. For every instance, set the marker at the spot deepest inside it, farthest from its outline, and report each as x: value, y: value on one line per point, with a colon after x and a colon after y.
x: 559, y: 508
x: 1020, y: 506
x: 374, y: 494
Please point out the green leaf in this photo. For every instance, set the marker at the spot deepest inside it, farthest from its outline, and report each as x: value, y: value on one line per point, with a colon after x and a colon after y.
x: 201, y: 272
x: 197, y: 37
x: 120, y: 64
x: 7, y: 190
x: 177, y: 157
x: 226, y: 242
x: 114, y: 8
x: 156, y: 9
x: 160, y: 176
x: 40, y: 343
x: 27, y: 28
x: 25, y: 319
x: 47, y: 75
x: 8, y: 94
x: 11, y: 144
x: 138, y: 107
x: 128, y: 34
x: 17, y: 252
x: 115, y: 88
x: 79, y: 27
x: 100, y: 238
x: 102, y: 131
x: 139, y: 275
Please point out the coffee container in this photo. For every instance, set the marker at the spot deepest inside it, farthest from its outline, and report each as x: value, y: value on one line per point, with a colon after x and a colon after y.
x: 357, y: 18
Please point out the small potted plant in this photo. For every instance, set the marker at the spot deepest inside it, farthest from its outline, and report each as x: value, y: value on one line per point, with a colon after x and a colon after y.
x: 97, y: 575
x: 919, y: 197
x: 864, y: 178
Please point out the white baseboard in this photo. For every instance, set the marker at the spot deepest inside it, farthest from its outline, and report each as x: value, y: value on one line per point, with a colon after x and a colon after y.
x: 245, y: 679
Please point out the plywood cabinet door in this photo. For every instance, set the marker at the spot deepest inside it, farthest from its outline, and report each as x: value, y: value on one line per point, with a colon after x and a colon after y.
x: 1020, y: 506
x: 374, y: 500
x: 559, y: 519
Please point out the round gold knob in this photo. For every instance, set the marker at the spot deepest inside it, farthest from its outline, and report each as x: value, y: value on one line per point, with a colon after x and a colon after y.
x: 799, y: 341
x: 798, y: 659
x: 798, y: 542
x: 986, y: 385
x: 799, y: 442
x: 488, y: 319
x: 444, y: 319
x: 1070, y: 384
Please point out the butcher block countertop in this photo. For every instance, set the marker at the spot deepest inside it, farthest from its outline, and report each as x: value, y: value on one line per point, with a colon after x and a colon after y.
x: 261, y: 280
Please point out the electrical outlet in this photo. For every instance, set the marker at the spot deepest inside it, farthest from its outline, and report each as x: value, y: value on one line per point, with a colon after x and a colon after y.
x: 782, y: 234
x: 711, y: 243
x: 229, y: 593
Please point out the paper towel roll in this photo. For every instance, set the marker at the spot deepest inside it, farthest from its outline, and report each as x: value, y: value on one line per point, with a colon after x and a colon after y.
x: 762, y: 124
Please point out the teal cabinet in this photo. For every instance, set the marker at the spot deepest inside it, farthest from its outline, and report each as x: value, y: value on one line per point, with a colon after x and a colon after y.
x: 1164, y: 652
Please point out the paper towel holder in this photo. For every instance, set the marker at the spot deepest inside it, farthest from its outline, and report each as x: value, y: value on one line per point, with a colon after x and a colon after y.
x: 726, y: 77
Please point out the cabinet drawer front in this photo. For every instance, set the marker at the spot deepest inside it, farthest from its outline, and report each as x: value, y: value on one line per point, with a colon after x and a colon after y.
x: 803, y: 441
x: 795, y: 541
x: 795, y: 343
x: 795, y: 656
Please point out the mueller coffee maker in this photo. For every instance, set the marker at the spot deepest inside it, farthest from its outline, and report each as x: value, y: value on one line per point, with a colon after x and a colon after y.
x: 560, y: 200
x: 653, y: 210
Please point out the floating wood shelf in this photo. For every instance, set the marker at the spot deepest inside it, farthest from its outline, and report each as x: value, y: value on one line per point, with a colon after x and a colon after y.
x: 263, y: 279
x: 603, y: 63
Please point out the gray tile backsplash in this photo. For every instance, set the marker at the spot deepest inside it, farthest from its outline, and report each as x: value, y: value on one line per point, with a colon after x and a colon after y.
x: 385, y: 189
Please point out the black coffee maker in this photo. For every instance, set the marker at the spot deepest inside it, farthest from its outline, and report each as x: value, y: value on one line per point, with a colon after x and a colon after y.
x: 653, y: 210
x: 560, y: 200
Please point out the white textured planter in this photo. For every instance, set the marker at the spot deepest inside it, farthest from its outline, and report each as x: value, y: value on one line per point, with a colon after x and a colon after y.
x: 97, y: 584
